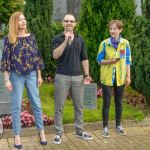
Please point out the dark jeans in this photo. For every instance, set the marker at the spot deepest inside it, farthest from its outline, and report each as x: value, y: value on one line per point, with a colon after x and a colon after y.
x: 118, y: 94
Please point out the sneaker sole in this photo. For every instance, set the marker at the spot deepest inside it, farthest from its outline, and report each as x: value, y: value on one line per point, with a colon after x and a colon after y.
x: 123, y: 134
x: 56, y: 142
x: 84, y: 138
x: 105, y: 136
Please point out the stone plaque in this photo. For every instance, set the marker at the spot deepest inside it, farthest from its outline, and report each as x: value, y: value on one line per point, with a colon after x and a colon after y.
x: 90, y: 96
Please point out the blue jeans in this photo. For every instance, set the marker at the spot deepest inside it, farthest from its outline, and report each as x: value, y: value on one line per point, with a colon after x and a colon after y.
x: 18, y: 83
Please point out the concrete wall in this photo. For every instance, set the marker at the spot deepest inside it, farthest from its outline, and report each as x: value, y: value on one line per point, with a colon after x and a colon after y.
x: 62, y: 7
x: 138, y: 7
x: 4, y: 94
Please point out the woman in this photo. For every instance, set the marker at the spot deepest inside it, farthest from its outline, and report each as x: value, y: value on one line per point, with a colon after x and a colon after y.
x: 22, y: 64
x: 114, y: 56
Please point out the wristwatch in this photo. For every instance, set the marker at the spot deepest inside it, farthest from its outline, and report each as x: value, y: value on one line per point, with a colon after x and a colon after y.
x: 86, y: 75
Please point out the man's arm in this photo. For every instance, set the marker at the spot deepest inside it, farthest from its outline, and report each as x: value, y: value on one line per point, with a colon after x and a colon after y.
x: 85, y: 65
x: 87, y: 78
x: 128, y: 77
x: 59, y: 50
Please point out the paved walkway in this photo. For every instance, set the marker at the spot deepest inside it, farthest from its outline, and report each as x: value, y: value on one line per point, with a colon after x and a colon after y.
x: 137, y: 138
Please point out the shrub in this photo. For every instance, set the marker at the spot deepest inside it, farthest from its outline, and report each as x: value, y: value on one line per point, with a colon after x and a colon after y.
x: 140, y: 69
x: 38, y: 14
x: 27, y: 118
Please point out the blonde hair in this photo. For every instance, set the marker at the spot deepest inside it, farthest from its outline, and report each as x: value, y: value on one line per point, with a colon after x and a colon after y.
x: 13, y: 27
x: 118, y: 23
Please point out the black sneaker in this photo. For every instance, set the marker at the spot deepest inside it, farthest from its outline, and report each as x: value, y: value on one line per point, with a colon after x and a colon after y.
x: 57, y: 139
x: 120, y: 130
x: 105, y: 132
x: 84, y: 136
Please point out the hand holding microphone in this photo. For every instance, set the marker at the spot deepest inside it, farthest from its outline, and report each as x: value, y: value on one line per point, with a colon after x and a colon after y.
x: 69, y: 40
x: 69, y: 37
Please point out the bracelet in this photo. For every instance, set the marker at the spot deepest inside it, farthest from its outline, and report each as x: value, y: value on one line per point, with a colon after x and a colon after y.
x: 86, y: 75
x: 6, y: 79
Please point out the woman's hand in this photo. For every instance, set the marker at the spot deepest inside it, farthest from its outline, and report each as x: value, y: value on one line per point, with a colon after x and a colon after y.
x: 8, y: 85
x: 40, y: 81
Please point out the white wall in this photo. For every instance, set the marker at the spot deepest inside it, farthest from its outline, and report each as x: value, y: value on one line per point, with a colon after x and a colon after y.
x: 138, y: 7
x: 60, y: 9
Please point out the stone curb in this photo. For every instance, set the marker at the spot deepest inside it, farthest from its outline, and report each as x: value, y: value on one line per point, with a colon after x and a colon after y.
x: 70, y: 127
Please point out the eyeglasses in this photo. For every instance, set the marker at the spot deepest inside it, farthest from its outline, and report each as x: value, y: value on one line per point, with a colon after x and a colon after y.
x: 71, y: 21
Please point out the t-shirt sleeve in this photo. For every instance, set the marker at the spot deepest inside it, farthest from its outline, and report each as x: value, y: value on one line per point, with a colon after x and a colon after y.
x: 128, y: 54
x: 101, y: 52
x: 84, y: 55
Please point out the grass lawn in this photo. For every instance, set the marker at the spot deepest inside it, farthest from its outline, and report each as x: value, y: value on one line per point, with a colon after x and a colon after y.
x: 47, y: 99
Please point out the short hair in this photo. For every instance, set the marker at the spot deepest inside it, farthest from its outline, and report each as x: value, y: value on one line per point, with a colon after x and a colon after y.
x: 119, y: 23
x: 70, y: 15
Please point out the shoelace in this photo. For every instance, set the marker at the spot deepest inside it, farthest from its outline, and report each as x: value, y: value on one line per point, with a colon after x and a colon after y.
x: 57, y: 137
x: 120, y: 128
x: 105, y: 129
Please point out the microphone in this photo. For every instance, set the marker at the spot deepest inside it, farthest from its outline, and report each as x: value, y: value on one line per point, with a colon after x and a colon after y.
x: 69, y: 40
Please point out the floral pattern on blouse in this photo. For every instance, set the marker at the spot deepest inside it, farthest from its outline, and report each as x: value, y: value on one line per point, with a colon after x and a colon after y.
x: 22, y: 57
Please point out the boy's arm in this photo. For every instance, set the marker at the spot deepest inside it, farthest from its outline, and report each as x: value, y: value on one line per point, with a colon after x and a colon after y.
x: 101, y: 55
x: 128, y: 64
x: 128, y: 77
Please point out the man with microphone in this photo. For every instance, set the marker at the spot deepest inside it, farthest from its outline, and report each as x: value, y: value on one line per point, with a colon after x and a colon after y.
x: 69, y: 50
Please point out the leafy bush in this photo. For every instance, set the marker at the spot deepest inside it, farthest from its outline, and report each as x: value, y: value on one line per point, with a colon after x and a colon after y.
x: 140, y: 69
x: 56, y: 28
x: 141, y: 52
x: 146, y: 9
x: 133, y: 97
x: 27, y: 118
x: 38, y: 14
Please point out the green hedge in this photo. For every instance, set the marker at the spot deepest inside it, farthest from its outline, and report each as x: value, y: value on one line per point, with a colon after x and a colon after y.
x: 39, y: 14
x: 140, y: 40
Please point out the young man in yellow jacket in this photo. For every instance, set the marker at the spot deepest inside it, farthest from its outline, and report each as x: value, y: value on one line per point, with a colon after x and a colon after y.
x: 114, y: 57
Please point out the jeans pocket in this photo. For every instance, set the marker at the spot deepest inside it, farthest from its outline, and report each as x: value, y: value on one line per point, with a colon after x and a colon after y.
x: 33, y: 74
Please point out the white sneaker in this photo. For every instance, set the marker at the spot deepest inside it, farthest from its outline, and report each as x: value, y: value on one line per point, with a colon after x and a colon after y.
x: 57, y: 139
x: 120, y: 130
x: 105, y: 132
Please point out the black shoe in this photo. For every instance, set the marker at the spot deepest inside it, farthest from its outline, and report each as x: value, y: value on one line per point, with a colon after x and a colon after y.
x: 42, y: 142
x: 18, y: 146
x: 84, y: 136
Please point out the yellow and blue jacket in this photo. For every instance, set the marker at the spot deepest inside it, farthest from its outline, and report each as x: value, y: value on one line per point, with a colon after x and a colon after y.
x: 118, y: 70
